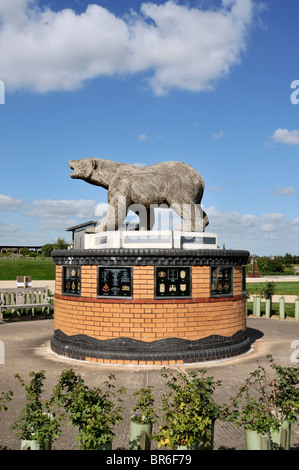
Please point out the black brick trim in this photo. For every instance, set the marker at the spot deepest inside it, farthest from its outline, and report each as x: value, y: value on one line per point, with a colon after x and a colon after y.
x: 213, y: 347
x: 151, y: 257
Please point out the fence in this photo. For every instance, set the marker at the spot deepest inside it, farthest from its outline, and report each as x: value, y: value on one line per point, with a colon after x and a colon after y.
x: 268, y: 308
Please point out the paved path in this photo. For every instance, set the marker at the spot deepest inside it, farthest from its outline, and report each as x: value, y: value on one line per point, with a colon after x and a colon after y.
x: 27, y: 348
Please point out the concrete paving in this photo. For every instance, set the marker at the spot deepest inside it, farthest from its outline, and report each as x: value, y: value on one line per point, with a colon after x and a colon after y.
x: 27, y: 348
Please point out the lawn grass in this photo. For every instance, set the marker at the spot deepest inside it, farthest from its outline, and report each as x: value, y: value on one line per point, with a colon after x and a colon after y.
x: 40, y: 269
x: 281, y: 288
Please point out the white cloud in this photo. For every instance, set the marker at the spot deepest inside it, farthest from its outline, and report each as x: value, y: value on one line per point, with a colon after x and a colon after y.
x: 182, y: 47
x: 7, y: 229
x: 142, y: 137
x: 50, y: 225
x: 100, y: 209
x: 286, y: 137
x: 218, y: 135
x: 9, y: 203
x: 281, y: 190
x: 265, y: 234
x: 48, y: 208
x: 139, y: 164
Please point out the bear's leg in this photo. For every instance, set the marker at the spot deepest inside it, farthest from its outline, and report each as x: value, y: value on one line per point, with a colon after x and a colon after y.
x: 108, y: 222
x: 116, y: 214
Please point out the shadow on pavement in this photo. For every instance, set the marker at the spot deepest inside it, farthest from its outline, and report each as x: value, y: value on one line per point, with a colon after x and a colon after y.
x: 254, y: 334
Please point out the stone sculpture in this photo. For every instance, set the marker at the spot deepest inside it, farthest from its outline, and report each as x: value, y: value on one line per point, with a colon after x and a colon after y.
x: 171, y: 184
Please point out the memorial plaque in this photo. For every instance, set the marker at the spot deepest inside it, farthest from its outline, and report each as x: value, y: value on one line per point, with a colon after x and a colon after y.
x: 172, y: 282
x: 221, y: 281
x: 115, y: 282
x: 71, y: 283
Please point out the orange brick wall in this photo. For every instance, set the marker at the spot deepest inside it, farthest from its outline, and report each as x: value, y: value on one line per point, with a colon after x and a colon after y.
x: 148, y: 319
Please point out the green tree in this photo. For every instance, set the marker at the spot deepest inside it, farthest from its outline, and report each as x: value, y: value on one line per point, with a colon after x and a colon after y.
x: 24, y: 251
x: 47, y: 249
x: 60, y: 244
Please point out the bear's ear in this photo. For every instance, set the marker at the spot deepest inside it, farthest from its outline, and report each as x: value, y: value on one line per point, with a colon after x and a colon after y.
x: 94, y: 164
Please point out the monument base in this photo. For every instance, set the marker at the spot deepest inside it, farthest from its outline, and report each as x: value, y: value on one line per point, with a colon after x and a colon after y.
x: 162, y: 239
x: 150, y: 306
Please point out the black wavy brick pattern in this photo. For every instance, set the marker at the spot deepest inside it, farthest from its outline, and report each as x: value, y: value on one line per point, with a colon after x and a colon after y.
x: 213, y: 347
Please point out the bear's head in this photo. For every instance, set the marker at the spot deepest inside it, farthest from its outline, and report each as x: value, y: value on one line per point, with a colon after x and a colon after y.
x: 83, y: 168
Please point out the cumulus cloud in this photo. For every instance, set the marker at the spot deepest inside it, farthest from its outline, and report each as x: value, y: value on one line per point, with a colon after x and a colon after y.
x: 177, y: 46
x: 266, y: 234
x: 9, y: 203
x: 139, y: 164
x: 100, y: 209
x: 142, y: 137
x: 65, y: 209
x: 58, y: 225
x: 286, y: 137
x: 284, y: 190
x: 7, y: 229
x: 218, y: 135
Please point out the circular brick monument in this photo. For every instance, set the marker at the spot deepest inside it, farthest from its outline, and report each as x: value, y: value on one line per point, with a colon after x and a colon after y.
x: 150, y: 306
x: 148, y: 297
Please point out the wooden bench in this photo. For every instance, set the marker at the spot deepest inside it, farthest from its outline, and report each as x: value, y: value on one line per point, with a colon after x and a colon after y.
x: 27, y: 298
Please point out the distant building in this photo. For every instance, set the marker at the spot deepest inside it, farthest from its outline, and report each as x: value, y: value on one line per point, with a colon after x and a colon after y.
x: 79, y: 231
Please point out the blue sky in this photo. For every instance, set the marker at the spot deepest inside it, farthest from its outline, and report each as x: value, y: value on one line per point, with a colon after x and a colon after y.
x: 205, y: 82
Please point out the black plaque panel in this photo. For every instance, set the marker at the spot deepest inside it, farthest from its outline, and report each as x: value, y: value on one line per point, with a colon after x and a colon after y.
x: 173, y: 281
x: 221, y: 281
x: 115, y: 282
x: 71, y: 280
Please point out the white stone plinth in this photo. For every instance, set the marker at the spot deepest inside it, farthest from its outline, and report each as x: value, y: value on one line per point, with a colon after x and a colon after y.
x: 194, y: 240
x: 147, y: 239
x: 166, y: 239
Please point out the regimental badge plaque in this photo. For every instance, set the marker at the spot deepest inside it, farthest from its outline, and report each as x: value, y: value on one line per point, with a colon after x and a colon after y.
x: 115, y: 282
x: 71, y: 280
x: 172, y: 282
x: 221, y: 281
